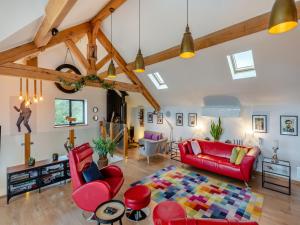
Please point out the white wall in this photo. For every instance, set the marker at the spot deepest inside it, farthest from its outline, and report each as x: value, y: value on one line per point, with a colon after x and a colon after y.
x: 236, y: 128
x: 46, y: 138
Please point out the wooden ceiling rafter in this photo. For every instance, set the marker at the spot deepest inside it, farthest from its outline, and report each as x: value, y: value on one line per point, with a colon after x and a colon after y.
x: 18, y: 70
x: 55, y: 12
x: 92, y: 29
x: 122, y: 64
x: 77, y: 53
x: 103, y: 61
x: 28, y: 49
x: 105, y: 11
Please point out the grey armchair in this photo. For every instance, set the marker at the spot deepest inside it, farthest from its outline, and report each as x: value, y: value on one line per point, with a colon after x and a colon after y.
x: 152, y: 144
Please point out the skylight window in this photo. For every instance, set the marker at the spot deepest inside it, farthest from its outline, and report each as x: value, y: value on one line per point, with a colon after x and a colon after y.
x: 241, y: 65
x: 157, y: 80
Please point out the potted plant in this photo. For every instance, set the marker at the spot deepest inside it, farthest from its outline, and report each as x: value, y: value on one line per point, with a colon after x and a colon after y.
x: 216, y: 130
x: 103, y: 147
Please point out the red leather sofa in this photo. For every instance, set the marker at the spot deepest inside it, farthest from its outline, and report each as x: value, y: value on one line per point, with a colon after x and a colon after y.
x: 208, y: 222
x: 88, y: 196
x: 215, y: 158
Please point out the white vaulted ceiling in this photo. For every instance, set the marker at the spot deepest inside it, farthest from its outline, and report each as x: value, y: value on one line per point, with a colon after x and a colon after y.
x: 276, y: 58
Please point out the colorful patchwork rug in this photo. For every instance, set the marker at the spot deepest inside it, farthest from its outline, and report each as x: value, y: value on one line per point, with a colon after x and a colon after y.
x: 203, y: 197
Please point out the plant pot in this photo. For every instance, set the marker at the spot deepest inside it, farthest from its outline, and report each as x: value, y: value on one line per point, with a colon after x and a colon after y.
x: 102, y: 162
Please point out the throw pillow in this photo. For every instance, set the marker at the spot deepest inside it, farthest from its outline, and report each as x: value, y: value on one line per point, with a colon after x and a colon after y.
x: 92, y: 173
x: 242, y: 153
x: 196, y: 147
x: 234, y: 154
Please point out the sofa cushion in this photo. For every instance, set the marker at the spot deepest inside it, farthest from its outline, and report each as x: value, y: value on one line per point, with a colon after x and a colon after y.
x: 156, y: 136
x: 216, y: 148
x: 241, y: 155
x: 196, y: 147
x: 92, y: 173
x: 234, y: 154
x: 148, y: 135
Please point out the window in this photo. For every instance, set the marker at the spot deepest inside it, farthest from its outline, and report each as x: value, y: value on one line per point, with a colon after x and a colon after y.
x: 241, y: 65
x: 157, y: 80
x: 69, y: 108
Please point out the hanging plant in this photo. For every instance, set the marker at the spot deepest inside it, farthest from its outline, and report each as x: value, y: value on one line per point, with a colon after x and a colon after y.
x: 79, y: 84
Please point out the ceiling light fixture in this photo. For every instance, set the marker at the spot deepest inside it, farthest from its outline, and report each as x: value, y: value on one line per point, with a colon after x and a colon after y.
x: 139, y: 60
x: 283, y: 16
x: 111, y: 72
x: 187, y: 45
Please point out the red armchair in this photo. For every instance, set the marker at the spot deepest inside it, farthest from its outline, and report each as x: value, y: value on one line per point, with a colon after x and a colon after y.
x: 208, y: 222
x: 88, y: 196
x: 215, y: 158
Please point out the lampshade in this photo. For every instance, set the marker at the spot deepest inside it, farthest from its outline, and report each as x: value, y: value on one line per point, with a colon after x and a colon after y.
x: 139, y: 62
x: 187, y: 45
x: 283, y: 16
x: 111, y: 73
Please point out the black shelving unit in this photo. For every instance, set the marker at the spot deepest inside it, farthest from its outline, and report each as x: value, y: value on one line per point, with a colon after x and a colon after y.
x: 276, y: 176
x: 22, y: 178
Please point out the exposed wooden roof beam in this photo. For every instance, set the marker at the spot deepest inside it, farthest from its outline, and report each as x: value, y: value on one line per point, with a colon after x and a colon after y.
x: 102, y: 62
x: 22, y: 51
x: 77, y: 53
x: 55, y: 12
x: 105, y: 11
x: 245, y: 28
x: 18, y: 70
x: 131, y: 75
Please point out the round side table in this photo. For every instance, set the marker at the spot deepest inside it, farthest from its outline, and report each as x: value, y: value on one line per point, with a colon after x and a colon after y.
x: 110, y: 212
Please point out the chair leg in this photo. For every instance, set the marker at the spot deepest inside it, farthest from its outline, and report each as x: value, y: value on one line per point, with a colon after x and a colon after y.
x: 148, y: 160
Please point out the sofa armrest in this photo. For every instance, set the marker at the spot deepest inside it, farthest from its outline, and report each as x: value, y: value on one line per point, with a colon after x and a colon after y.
x: 89, y: 196
x: 248, y: 162
x: 112, y: 171
x: 183, y: 148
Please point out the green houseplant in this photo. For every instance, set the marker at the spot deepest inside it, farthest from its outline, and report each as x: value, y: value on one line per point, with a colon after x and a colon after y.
x: 216, y: 130
x: 103, y: 147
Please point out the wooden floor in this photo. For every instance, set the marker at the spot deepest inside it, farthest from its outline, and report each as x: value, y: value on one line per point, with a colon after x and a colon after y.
x: 54, y: 205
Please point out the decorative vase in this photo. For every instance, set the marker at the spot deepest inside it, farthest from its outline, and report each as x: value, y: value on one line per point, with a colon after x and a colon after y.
x: 102, y: 162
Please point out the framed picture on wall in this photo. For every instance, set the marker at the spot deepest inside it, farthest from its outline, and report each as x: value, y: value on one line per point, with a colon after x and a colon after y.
x: 179, y: 119
x: 150, y: 117
x: 289, y: 125
x: 259, y: 123
x: 160, y: 118
x: 192, y: 120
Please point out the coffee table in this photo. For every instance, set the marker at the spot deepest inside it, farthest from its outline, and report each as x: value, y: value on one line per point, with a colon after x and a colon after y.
x: 110, y: 212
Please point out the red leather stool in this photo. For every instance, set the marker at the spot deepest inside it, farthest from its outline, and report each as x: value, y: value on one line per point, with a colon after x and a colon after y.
x: 136, y: 199
x: 166, y: 211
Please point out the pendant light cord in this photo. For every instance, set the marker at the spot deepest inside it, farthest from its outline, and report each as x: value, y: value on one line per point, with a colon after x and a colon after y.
x: 139, y: 24
x: 187, y: 12
x: 111, y: 33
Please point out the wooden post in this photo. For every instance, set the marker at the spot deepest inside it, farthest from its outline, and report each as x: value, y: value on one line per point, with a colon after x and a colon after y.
x: 72, y: 137
x: 111, y: 130
x: 27, y: 144
x: 125, y: 141
x: 102, y: 130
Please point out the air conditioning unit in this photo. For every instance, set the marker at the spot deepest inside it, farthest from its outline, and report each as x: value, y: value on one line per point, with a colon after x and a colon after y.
x: 221, y: 106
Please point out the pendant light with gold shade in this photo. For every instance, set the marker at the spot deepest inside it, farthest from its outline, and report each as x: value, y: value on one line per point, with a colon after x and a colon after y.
x: 283, y: 16
x: 187, y: 45
x: 111, y: 72
x: 139, y: 60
